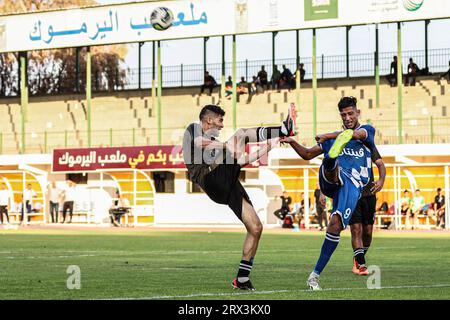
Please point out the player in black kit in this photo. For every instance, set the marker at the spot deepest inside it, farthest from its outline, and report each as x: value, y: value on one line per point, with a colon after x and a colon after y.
x: 361, y: 223
x: 215, y: 167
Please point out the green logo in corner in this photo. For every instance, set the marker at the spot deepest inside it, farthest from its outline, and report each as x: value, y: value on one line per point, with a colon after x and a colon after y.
x: 412, y: 5
x: 321, y: 9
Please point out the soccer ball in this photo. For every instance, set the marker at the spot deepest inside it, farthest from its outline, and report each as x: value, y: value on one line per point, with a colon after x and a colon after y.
x: 161, y: 18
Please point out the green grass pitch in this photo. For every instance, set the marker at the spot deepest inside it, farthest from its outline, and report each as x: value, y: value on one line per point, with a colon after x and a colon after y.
x: 165, y: 264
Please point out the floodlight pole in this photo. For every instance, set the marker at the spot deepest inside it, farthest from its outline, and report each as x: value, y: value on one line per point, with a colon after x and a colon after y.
x: 234, y: 83
x: 314, y: 82
x: 159, y: 92
x: 399, y: 84
x: 377, y: 68
x: 89, y: 95
x: 23, y: 96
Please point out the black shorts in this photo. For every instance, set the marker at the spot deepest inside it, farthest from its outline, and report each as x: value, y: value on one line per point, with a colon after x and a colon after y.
x: 222, y: 185
x: 365, y: 211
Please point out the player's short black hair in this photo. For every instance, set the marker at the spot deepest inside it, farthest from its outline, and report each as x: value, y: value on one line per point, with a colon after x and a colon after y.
x: 439, y: 189
x: 211, y: 108
x: 346, y: 102
x: 406, y: 190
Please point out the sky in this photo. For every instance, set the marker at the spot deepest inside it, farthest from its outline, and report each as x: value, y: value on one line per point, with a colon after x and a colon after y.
x: 330, y: 41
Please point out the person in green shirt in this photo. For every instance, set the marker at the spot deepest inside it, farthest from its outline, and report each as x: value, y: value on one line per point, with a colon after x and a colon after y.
x: 417, y: 203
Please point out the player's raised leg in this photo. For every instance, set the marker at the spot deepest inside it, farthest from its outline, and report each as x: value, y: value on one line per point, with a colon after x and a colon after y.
x: 236, y: 143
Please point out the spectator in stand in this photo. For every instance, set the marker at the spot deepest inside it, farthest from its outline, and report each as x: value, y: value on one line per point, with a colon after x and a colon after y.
x: 320, y: 207
x: 54, y: 196
x: 69, y: 199
x: 256, y: 87
x: 286, y: 201
x: 417, y: 204
x: 243, y: 86
x: 392, y: 76
x: 262, y: 77
x: 209, y: 83
x: 302, y: 72
x: 28, y: 195
x: 229, y: 88
x: 405, y: 204
x: 447, y: 74
x: 413, y: 70
x: 287, y: 78
x: 276, y: 77
x: 439, y: 208
x: 5, y: 202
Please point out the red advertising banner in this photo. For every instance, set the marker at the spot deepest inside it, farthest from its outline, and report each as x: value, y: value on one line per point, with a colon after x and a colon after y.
x: 144, y: 158
x: 91, y: 159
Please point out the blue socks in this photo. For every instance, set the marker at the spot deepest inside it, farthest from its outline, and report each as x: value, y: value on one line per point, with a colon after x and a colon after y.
x: 328, y: 247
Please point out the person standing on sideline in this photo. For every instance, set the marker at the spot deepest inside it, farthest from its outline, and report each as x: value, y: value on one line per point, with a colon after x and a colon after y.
x: 69, y: 198
x: 28, y: 195
x: 5, y: 202
x: 54, y: 195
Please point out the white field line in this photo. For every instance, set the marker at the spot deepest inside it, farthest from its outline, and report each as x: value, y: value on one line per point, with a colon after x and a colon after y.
x: 200, y: 295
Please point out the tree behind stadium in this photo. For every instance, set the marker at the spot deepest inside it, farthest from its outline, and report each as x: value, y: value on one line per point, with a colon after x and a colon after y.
x: 54, y: 71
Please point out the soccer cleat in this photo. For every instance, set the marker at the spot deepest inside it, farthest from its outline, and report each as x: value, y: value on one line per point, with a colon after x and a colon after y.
x: 247, y: 285
x: 355, y: 269
x: 313, y: 282
x: 340, y: 143
x: 363, y: 271
x: 288, y: 127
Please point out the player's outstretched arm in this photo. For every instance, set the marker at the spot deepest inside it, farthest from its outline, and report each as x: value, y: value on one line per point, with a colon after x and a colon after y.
x: 360, y: 134
x: 304, y: 152
x: 204, y: 143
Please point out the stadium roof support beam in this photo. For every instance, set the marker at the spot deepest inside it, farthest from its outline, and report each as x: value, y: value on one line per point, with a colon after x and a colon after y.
x: 222, y: 87
x: 140, y: 44
x: 23, y: 65
x: 159, y: 92
x: 153, y: 76
x: 427, y: 22
x: 297, y: 72
x: 314, y: 81
x: 89, y: 95
x: 234, y: 83
x: 205, y: 45
x: 377, y: 68
x: 274, y: 35
x: 399, y: 85
x: 347, y: 50
x: 77, y: 69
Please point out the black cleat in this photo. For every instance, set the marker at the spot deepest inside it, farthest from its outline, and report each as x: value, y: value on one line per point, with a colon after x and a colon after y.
x: 242, y: 285
x: 290, y: 122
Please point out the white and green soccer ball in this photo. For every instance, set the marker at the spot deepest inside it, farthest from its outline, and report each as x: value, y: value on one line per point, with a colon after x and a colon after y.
x: 161, y: 18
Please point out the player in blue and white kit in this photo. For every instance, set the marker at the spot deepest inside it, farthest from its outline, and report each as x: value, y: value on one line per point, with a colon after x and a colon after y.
x: 344, y: 172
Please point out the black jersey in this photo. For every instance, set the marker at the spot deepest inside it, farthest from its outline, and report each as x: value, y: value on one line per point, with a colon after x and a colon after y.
x: 199, y: 161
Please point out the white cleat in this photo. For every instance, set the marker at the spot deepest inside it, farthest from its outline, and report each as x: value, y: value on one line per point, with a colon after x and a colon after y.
x: 313, y: 282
